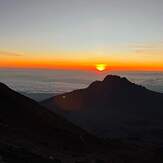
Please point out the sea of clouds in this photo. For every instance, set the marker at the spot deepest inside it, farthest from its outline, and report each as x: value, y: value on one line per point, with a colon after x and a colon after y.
x: 59, y: 81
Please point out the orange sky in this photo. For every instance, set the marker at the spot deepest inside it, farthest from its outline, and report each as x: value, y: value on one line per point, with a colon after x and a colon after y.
x: 112, y: 63
x: 81, y: 34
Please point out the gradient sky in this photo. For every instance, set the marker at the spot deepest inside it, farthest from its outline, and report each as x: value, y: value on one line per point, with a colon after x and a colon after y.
x: 125, y: 34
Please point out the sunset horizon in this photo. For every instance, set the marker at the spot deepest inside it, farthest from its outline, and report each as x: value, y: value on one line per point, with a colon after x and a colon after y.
x: 81, y: 81
x: 68, y: 65
x: 61, y: 61
x: 79, y: 35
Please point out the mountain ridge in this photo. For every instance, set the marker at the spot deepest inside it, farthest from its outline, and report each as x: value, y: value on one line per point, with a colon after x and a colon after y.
x: 112, y: 105
x: 23, y: 119
x: 32, y: 133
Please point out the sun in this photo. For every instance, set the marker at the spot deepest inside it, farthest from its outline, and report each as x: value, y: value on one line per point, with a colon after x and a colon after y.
x: 101, y: 67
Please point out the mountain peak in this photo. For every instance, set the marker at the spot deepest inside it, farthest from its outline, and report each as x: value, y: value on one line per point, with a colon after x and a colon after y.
x: 115, y: 78
x: 110, y: 76
x: 110, y: 80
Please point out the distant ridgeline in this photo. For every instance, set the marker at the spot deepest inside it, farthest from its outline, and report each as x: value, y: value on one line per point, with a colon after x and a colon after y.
x: 114, y: 107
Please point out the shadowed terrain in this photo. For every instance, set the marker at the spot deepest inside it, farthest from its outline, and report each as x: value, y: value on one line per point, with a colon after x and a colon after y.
x: 31, y: 133
x: 114, y: 107
x: 26, y: 125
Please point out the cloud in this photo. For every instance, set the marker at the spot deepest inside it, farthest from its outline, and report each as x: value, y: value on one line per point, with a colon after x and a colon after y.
x: 6, y: 53
x: 155, y: 48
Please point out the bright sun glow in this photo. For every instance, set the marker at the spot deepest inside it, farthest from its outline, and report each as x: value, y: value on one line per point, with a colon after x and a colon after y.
x: 101, y: 67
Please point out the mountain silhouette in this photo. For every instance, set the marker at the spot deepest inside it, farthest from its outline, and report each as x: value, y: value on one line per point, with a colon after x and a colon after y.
x: 26, y: 124
x: 31, y: 133
x: 113, y: 107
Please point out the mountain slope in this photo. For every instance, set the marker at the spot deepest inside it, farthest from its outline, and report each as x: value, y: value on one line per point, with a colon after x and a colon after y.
x: 113, y: 107
x: 31, y: 133
x: 24, y: 123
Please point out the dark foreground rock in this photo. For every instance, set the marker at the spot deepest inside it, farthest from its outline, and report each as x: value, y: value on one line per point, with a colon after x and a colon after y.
x: 30, y: 133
